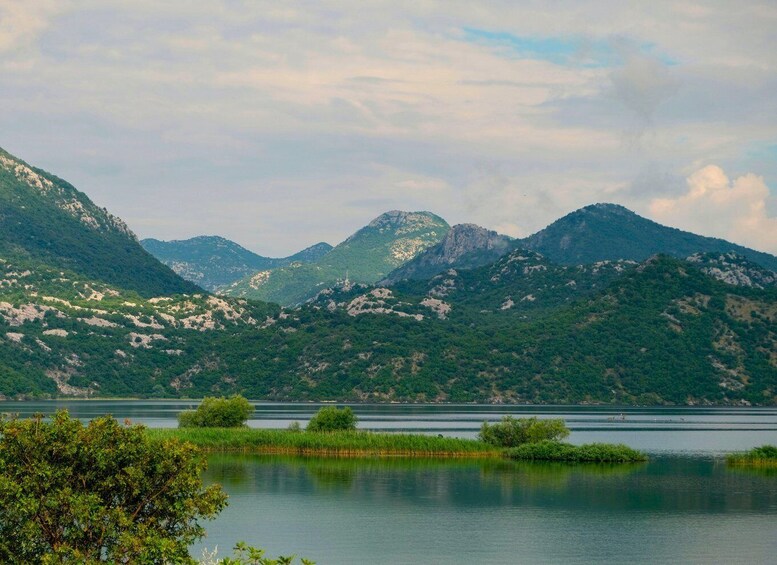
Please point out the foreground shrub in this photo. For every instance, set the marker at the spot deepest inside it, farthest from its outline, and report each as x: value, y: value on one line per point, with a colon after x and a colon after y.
x: 588, y: 453
x: 332, y: 419
x: 512, y: 432
x: 764, y: 456
x: 217, y: 413
x: 248, y: 555
x: 71, y: 493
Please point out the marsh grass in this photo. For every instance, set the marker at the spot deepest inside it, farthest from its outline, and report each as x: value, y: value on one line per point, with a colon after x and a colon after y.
x: 764, y: 457
x: 338, y: 444
x: 588, y: 453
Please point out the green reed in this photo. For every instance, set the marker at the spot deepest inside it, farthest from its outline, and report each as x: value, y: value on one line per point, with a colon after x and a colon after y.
x: 353, y: 443
x: 764, y: 457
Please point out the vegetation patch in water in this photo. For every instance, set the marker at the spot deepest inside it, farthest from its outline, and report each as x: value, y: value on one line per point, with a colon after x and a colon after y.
x: 588, y: 453
x: 348, y: 443
x: 764, y: 456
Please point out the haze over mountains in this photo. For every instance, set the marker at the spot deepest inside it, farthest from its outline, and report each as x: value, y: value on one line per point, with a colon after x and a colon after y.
x: 600, y: 232
x: 84, y: 310
x: 214, y: 262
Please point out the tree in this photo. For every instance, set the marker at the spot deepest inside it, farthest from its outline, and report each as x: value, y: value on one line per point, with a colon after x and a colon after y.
x: 217, y: 413
x: 332, y: 419
x: 512, y: 432
x: 104, y: 492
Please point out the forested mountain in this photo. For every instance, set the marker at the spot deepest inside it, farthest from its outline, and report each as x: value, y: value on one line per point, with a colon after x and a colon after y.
x: 659, y: 332
x: 45, y: 220
x: 213, y: 262
x: 465, y: 246
x: 609, y: 232
x: 84, y: 311
x: 368, y: 255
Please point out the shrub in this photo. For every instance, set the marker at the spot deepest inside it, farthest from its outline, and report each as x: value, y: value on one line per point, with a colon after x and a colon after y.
x: 512, y: 432
x: 217, y: 413
x: 589, y: 453
x: 248, y: 555
x: 71, y: 493
x: 332, y: 419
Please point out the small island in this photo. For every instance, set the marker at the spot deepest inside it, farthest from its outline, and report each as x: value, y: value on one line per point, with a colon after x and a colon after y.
x: 218, y: 426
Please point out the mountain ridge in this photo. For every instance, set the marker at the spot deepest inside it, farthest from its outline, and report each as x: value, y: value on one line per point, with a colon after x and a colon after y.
x: 214, y: 262
x: 44, y: 218
x: 610, y: 231
x: 367, y: 255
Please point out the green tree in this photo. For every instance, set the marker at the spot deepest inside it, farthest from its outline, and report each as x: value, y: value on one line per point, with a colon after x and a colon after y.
x: 332, y: 419
x: 103, y: 492
x: 512, y: 432
x: 217, y: 413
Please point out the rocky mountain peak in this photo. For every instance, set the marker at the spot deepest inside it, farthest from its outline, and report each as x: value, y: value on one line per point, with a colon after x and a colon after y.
x: 400, y: 221
x: 464, y: 246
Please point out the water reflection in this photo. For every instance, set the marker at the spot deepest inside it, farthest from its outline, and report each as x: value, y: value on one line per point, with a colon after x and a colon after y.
x: 462, y: 511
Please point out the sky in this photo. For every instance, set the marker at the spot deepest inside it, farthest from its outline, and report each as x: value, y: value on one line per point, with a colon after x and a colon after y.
x: 281, y: 124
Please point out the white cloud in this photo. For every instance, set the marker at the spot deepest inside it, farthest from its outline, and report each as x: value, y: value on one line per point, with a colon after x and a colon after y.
x: 279, y: 125
x: 715, y: 205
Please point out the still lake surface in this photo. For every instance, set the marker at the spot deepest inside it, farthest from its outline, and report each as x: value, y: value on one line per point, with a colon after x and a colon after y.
x: 684, y: 506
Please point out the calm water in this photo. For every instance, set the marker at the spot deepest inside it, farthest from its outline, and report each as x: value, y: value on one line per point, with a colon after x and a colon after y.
x: 683, y: 506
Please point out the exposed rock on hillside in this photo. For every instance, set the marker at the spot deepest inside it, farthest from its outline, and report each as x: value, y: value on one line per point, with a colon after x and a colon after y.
x: 465, y: 246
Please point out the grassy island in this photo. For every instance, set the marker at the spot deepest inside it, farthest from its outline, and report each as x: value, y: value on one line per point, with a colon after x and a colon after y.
x: 565, y: 452
x: 763, y: 457
x: 340, y: 444
x: 218, y: 425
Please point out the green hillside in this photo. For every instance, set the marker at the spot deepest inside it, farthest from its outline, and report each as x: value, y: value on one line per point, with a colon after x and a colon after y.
x: 365, y: 257
x: 45, y: 220
x: 213, y: 262
x: 662, y: 332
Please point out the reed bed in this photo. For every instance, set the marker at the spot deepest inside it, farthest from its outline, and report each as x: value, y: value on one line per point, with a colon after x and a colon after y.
x: 588, y: 453
x: 764, y: 457
x: 339, y: 444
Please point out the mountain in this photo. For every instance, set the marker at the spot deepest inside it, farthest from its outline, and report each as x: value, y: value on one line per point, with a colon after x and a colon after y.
x: 661, y: 332
x: 608, y: 232
x: 45, y: 220
x: 76, y: 319
x: 213, y: 262
x: 368, y: 255
x: 465, y: 246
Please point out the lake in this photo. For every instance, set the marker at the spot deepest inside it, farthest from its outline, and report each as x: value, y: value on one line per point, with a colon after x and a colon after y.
x: 683, y: 506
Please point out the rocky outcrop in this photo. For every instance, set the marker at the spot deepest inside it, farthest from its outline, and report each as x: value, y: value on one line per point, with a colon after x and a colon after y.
x: 465, y: 246
x: 733, y: 269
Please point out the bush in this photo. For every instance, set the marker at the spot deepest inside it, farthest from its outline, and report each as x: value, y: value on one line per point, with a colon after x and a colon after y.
x: 512, y: 432
x: 248, y: 555
x: 332, y: 419
x: 71, y: 493
x: 589, y: 453
x: 217, y: 413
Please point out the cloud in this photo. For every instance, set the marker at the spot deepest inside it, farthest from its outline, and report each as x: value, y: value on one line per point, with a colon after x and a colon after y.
x: 715, y: 205
x: 279, y: 125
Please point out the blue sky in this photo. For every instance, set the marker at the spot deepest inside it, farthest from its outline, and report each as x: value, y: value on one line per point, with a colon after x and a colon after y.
x: 282, y: 124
